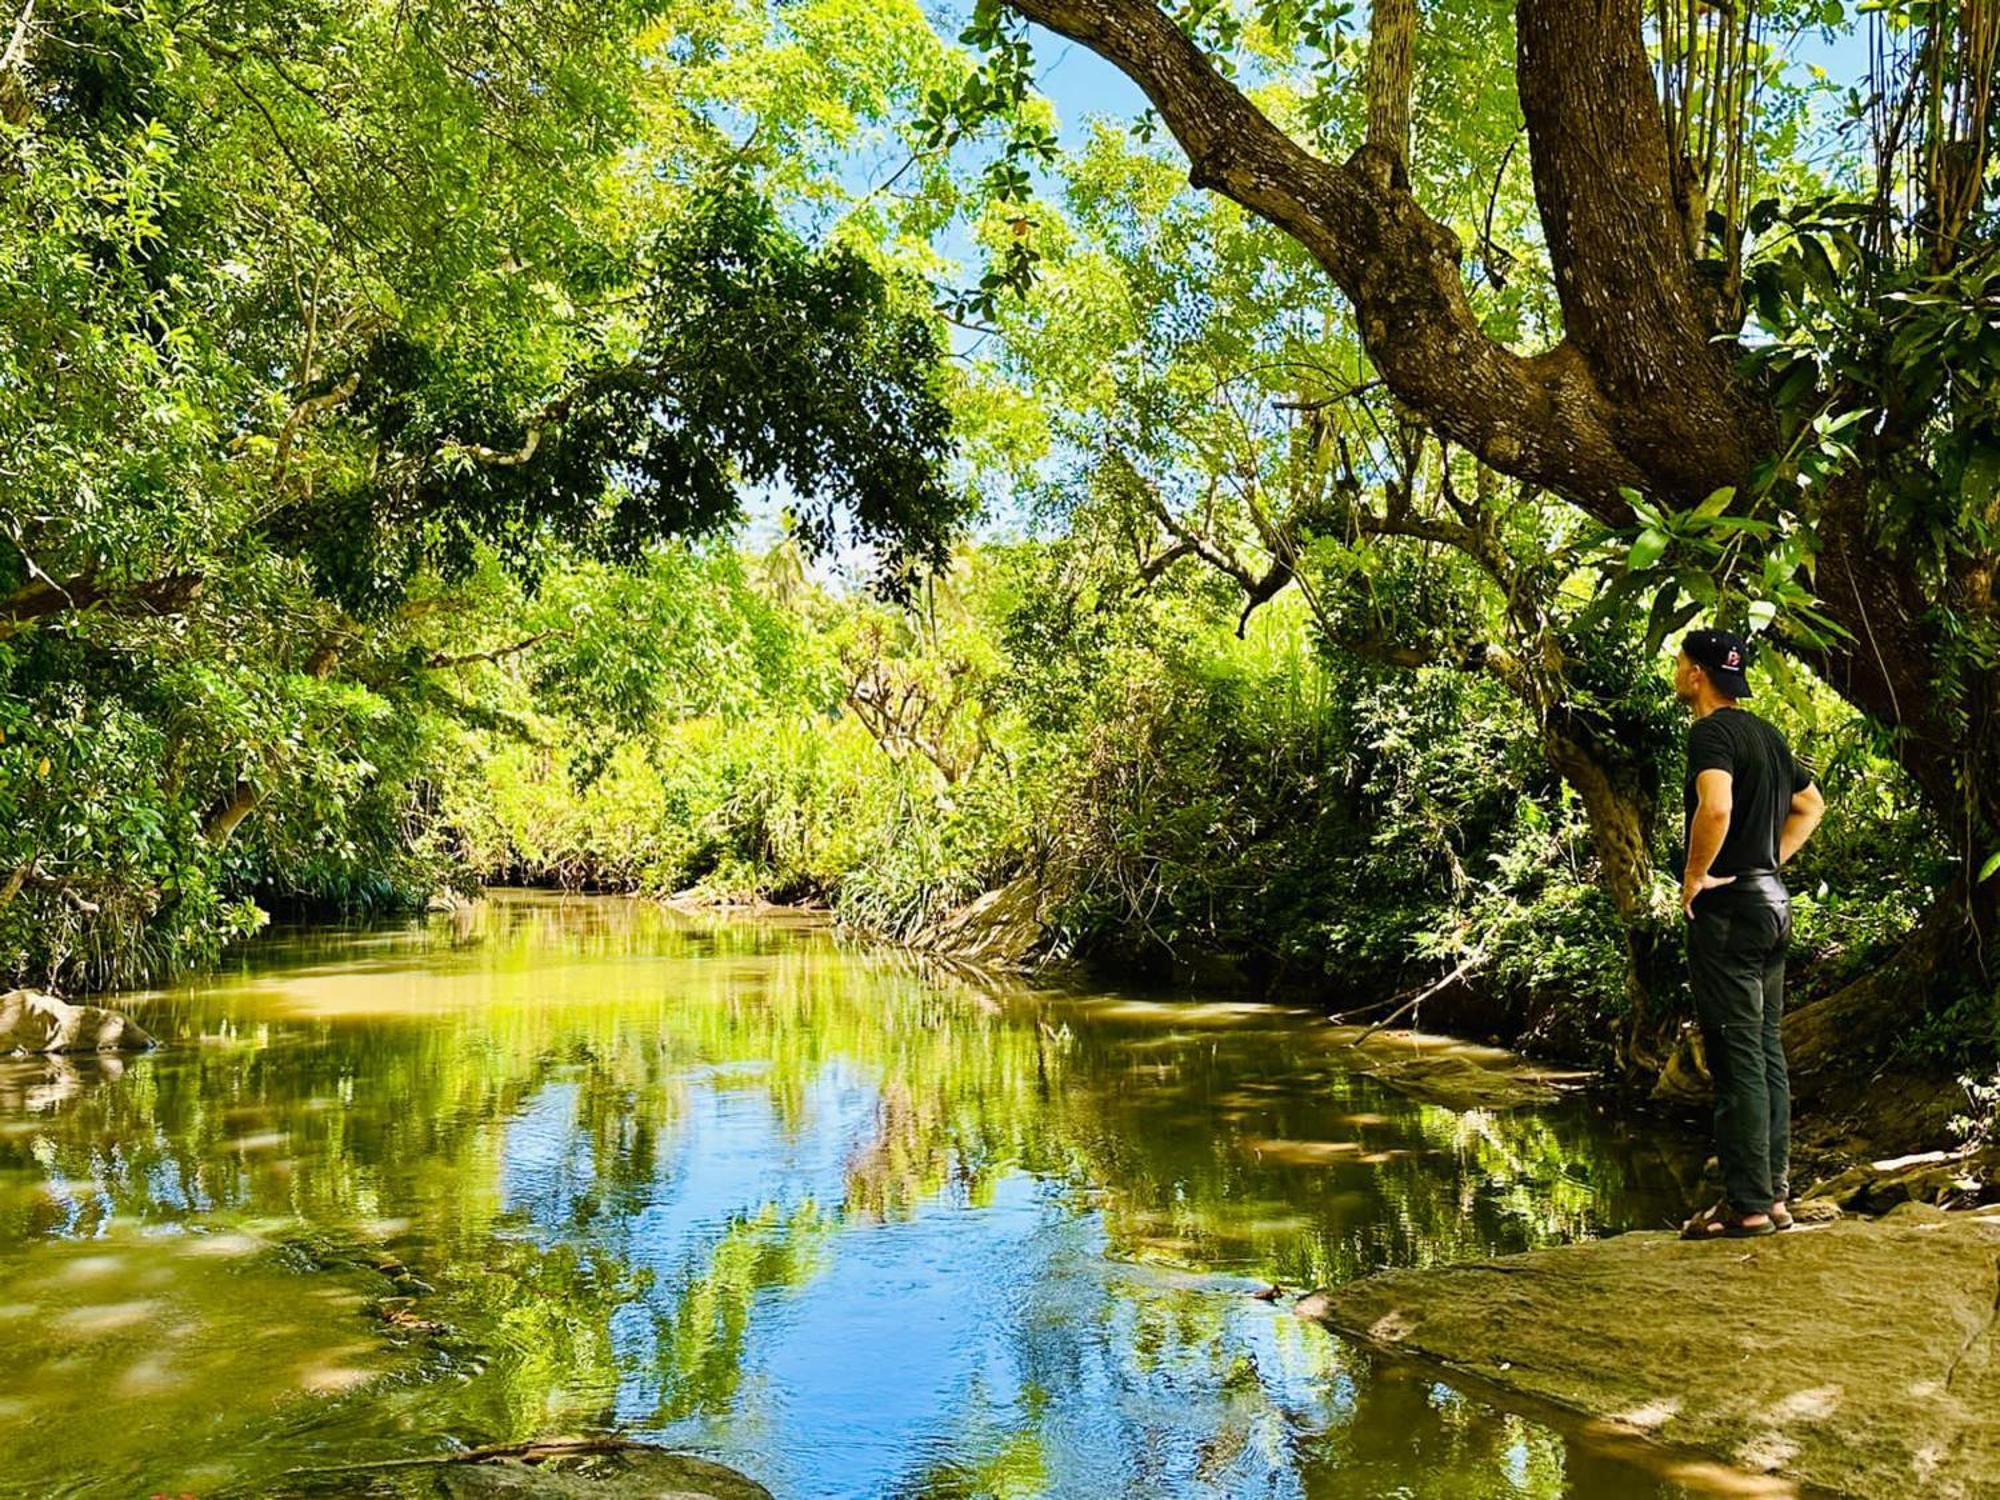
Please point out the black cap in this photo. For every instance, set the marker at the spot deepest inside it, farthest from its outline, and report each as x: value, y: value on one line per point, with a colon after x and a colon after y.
x: 1723, y: 655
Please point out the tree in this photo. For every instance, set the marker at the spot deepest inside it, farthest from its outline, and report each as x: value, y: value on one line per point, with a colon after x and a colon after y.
x: 1824, y: 361
x: 313, y: 316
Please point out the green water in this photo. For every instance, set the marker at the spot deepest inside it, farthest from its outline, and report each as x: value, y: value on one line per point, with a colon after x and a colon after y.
x: 853, y: 1226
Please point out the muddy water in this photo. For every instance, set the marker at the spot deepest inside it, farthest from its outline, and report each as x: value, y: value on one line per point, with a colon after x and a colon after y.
x: 853, y: 1227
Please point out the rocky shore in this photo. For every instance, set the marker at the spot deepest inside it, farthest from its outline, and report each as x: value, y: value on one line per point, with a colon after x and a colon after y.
x: 1858, y: 1357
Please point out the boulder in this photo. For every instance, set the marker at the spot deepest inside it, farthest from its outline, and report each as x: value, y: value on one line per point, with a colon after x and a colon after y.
x: 1877, y: 1187
x: 1859, y: 1357
x: 631, y: 1471
x: 33, y: 1022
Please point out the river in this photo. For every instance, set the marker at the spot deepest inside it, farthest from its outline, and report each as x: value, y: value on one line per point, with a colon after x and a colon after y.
x: 852, y: 1225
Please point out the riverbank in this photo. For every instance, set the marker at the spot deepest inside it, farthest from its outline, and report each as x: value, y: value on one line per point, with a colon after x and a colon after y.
x: 1852, y: 1107
x: 1859, y: 1357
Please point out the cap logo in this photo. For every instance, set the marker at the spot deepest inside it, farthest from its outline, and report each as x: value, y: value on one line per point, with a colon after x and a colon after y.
x: 1734, y: 659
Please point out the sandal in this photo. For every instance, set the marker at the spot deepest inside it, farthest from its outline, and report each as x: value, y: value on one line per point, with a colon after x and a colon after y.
x: 1781, y: 1216
x: 1721, y: 1223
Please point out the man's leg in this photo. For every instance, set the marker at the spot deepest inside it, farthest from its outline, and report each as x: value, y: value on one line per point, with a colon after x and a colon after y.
x: 1729, y: 1004
x: 1777, y: 1076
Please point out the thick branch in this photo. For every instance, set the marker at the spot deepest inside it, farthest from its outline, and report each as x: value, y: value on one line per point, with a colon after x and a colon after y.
x: 308, y: 407
x: 245, y: 796
x: 1540, y: 418
x: 440, y: 659
x: 499, y: 458
x: 1632, y: 303
x: 232, y: 810
x: 43, y: 597
x: 1392, y: 39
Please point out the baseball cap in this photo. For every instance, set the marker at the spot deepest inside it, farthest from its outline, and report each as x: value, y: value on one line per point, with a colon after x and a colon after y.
x: 1723, y: 655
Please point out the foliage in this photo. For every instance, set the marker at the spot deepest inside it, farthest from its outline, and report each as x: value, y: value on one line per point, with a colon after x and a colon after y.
x: 329, y: 329
x: 398, y: 389
x: 1192, y: 802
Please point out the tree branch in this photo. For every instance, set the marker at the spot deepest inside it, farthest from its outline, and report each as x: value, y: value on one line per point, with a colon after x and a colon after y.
x: 14, y: 102
x: 498, y: 458
x: 439, y: 659
x: 1540, y: 418
x: 1392, y: 39
x: 1632, y: 303
x: 42, y: 597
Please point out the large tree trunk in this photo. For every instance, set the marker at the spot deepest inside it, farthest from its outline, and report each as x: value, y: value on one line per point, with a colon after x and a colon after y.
x: 1620, y: 809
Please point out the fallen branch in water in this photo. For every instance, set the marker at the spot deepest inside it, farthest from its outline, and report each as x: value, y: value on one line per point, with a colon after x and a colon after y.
x: 1471, y: 962
x: 1340, y: 1016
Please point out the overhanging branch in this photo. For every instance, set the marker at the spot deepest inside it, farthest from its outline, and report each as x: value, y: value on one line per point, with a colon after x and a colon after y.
x: 1540, y: 418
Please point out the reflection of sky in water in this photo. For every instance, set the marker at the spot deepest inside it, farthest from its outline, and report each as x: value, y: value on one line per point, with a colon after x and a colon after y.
x: 917, y: 1341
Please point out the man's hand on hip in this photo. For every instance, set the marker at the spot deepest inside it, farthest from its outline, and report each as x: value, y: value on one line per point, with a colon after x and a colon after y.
x: 1693, y: 888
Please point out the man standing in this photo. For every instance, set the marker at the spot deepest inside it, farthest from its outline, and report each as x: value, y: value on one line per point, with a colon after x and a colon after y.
x: 1750, y: 807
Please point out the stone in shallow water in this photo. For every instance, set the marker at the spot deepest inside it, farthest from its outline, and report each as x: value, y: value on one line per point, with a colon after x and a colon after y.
x: 1860, y: 1356
x: 634, y: 1473
x: 33, y: 1022
x: 585, y: 1468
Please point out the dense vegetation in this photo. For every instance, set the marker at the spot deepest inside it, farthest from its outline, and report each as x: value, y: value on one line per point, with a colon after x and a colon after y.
x: 451, y: 442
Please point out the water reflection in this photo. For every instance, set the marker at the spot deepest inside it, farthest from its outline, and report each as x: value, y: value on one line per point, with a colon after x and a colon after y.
x: 855, y: 1227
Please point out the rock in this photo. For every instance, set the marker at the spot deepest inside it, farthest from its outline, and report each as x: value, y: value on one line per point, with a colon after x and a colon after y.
x: 1440, y: 1070
x: 1878, y: 1187
x: 1314, y: 1307
x: 586, y: 1468
x: 1002, y: 928
x: 33, y: 1022
x: 1861, y: 1357
x: 633, y: 1472
x: 1841, y: 1190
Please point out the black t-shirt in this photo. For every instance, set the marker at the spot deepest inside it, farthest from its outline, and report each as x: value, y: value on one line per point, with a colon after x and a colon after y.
x: 1763, y: 779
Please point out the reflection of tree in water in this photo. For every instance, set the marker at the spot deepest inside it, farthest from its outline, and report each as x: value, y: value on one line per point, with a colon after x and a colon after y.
x: 539, y: 1138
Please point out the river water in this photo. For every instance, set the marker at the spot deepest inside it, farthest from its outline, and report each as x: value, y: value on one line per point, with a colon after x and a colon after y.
x: 852, y: 1225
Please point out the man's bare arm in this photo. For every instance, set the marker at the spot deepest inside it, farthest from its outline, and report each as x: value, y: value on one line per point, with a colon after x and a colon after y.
x: 1807, y: 808
x: 1716, y: 796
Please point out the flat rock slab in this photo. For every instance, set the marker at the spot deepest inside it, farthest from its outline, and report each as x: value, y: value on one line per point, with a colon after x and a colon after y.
x: 1855, y: 1357
x: 1446, y: 1071
x: 33, y: 1022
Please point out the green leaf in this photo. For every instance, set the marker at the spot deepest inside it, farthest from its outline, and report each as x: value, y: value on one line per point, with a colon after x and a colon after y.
x: 1647, y: 550
x: 1987, y: 870
x: 1748, y: 524
x: 1641, y: 507
x: 1716, y: 503
x: 1608, y: 603
x: 1982, y: 476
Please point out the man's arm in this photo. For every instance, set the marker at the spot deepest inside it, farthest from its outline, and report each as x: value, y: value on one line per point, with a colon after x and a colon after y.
x: 1715, y: 800
x: 1807, y: 808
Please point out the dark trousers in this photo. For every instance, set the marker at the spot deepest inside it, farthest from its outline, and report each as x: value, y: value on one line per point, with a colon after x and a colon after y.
x: 1736, y: 959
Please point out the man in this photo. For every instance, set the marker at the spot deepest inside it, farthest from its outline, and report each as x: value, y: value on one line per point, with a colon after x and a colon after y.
x: 1750, y: 807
